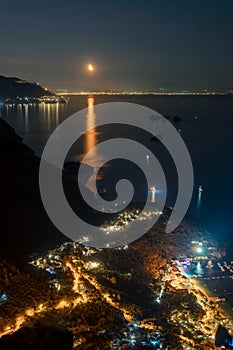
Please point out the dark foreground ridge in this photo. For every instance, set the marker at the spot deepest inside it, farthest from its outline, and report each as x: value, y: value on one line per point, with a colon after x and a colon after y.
x: 38, y: 338
x: 25, y: 227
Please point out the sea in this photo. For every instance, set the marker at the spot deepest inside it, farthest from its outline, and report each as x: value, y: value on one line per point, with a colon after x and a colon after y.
x: 206, y: 126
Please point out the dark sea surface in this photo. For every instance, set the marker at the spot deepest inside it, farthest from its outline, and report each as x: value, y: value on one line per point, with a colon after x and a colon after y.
x: 206, y: 126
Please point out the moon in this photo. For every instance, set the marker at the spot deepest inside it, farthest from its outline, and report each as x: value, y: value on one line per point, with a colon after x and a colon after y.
x: 90, y: 67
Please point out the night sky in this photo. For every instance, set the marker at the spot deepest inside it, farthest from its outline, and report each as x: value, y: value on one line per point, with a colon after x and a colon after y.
x: 145, y: 44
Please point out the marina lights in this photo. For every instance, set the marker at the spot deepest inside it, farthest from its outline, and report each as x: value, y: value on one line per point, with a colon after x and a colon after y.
x: 199, y: 250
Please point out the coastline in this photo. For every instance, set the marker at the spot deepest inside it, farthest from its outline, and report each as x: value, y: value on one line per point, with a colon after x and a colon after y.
x: 212, y: 315
x: 207, y: 293
x: 210, y: 294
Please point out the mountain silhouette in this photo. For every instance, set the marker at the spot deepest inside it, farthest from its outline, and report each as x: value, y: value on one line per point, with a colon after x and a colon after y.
x: 12, y: 87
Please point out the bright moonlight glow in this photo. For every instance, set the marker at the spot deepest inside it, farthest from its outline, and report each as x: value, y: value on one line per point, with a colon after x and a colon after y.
x: 90, y: 68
